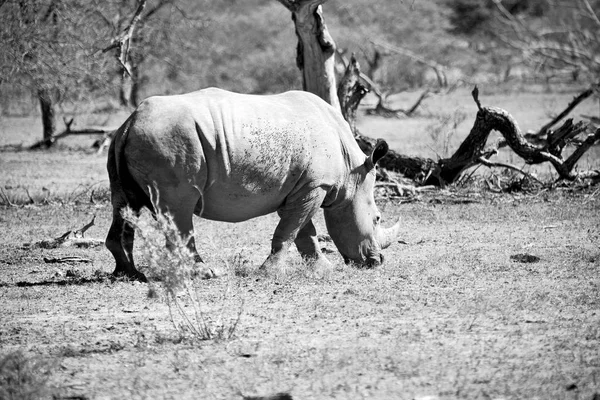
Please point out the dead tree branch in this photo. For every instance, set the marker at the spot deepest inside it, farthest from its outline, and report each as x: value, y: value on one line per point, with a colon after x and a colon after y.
x: 380, y: 109
x: 489, y: 118
x: 123, y: 42
x: 472, y: 150
x: 69, y: 238
x: 350, y: 92
x: 107, y: 132
x: 574, y: 103
x: 484, y: 161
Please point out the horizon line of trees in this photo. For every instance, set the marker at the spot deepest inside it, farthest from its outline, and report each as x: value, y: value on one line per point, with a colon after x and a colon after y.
x: 73, y: 51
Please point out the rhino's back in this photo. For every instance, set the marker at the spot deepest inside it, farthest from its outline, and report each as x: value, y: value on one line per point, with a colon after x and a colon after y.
x: 249, y: 152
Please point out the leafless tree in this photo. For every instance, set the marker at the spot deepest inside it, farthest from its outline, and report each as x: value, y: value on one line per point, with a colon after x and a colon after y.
x: 566, y: 38
x: 46, y: 46
x: 133, y: 34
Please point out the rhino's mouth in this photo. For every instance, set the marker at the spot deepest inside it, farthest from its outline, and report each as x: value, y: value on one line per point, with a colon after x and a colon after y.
x: 369, y: 262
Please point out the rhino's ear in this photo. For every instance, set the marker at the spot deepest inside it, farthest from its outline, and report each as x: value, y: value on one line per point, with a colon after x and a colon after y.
x: 380, y: 150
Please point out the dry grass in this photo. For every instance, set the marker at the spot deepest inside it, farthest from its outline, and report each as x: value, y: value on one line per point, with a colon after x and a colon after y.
x: 24, y: 378
x: 177, y: 276
x: 449, y: 315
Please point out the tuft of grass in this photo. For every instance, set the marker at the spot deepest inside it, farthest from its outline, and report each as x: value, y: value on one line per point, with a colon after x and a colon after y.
x: 241, y: 266
x: 173, y: 273
x: 443, y: 130
x: 23, y: 377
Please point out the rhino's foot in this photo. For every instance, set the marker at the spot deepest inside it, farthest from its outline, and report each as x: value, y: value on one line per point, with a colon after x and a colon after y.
x: 274, y: 265
x: 319, y: 267
x: 132, y: 275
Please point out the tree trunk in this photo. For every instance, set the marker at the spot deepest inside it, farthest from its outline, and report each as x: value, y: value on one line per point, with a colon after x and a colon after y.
x: 315, y: 54
x: 315, y: 57
x: 48, y: 116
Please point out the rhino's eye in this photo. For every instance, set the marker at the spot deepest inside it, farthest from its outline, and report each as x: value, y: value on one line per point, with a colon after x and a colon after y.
x: 377, y: 219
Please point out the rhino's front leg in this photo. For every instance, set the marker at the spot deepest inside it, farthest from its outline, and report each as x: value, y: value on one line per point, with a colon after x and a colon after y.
x: 308, y: 246
x: 295, y: 214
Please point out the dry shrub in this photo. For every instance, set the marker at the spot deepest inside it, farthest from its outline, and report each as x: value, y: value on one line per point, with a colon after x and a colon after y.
x: 173, y: 273
x: 23, y: 377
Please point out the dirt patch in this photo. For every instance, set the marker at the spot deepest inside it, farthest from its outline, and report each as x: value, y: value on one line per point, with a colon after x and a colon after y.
x: 450, y: 314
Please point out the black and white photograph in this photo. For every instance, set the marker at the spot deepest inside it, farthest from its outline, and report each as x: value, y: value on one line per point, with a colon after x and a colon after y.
x: 300, y: 199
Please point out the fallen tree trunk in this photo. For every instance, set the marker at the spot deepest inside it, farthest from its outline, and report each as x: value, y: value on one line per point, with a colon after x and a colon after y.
x: 490, y: 118
x: 472, y: 150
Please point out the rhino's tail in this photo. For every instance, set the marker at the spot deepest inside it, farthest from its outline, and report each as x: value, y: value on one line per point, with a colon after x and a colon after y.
x: 134, y: 195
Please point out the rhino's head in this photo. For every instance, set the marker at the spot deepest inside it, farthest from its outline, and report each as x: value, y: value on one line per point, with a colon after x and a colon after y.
x: 354, y: 225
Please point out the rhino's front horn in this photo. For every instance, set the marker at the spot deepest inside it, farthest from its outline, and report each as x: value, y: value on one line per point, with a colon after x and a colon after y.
x: 388, y: 235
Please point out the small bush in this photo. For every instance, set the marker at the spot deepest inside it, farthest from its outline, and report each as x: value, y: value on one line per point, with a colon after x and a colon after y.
x: 23, y: 377
x: 241, y: 266
x: 173, y: 273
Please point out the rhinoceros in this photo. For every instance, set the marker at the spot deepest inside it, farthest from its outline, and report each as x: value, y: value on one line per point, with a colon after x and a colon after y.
x: 230, y: 157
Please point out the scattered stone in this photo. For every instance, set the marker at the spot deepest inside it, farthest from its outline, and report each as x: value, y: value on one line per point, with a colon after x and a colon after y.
x: 570, y: 387
x: 524, y: 258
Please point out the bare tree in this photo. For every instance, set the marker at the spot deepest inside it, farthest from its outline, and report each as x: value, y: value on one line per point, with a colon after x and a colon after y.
x: 47, y: 46
x: 148, y: 30
x: 128, y: 68
x: 565, y: 38
x: 127, y: 37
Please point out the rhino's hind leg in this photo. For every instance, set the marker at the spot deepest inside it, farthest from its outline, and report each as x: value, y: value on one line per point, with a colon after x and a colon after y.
x: 308, y: 246
x: 120, y: 243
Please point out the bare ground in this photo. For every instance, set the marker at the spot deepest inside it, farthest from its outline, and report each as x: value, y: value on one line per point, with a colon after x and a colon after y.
x: 449, y: 315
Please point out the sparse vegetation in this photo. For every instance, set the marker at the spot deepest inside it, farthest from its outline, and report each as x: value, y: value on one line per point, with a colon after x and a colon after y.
x: 24, y: 377
x: 177, y: 275
x: 443, y: 130
x: 447, y: 311
x: 492, y: 290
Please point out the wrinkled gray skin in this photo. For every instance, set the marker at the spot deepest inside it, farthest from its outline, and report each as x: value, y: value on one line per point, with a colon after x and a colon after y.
x: 231, y: 157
